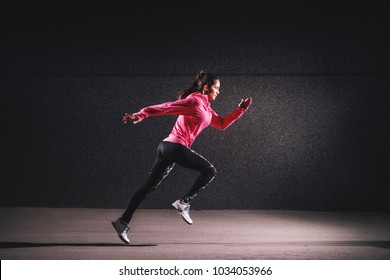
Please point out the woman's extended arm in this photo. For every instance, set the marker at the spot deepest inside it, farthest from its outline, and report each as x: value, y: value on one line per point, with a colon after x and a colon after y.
x: 178, y: 107
x: 223, y: 123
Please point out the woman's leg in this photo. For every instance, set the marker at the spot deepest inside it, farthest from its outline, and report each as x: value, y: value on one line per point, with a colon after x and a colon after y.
x: 190, y: 159
x: 158, y: 172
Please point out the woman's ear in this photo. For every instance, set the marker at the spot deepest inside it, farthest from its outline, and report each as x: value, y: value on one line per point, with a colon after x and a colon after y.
x: 205, y: 89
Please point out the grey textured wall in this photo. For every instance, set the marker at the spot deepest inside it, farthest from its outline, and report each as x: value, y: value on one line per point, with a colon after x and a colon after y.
x: 316, y: 137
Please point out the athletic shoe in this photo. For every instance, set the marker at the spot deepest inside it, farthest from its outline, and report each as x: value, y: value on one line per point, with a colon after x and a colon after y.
x: 184, y: 210
x: 122, y: 229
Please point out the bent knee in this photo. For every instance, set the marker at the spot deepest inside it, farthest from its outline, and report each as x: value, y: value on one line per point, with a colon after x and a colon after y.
x: 210, y: 171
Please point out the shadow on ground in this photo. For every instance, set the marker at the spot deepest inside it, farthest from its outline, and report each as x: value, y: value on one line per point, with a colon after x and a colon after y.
x: 377, y: 244
x: 8, y: 245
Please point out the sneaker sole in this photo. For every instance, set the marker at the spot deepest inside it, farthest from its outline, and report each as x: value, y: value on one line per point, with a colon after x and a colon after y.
x: 184, y: 219
x: 187, y: 222
x: 120, y: 237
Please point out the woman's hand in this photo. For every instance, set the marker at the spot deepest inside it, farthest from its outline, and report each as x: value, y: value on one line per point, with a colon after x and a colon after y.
x: 245, y: 104
x: 130, y: 118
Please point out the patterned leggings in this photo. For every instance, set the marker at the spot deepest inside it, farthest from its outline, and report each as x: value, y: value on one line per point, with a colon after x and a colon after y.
x: 169, y: 153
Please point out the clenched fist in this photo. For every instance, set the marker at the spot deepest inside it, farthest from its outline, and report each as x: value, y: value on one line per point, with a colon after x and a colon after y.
x: 130, y: 117
x: 245, y: 103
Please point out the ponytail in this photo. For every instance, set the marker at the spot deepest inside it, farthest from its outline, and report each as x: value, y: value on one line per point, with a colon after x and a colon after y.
x: 201, y: 79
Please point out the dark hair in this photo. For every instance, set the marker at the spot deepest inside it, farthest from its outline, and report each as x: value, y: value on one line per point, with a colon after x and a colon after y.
x: 201, y: 79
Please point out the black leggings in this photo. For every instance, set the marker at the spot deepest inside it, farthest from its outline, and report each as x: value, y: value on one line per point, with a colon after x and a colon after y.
x: 168, y: 154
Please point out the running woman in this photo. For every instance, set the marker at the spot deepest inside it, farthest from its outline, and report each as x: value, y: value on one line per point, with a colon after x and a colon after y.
x: 194, y: 115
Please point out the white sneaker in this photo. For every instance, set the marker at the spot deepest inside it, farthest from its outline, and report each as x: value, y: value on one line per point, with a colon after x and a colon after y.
x: 184, y: 210
x: 122, y: 229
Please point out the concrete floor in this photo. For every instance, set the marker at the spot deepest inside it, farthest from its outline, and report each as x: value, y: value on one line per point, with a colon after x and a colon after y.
x: 82, y: 234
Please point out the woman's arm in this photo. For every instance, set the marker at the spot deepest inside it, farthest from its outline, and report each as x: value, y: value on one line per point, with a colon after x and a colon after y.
x: 179, y: 107
x: 223, y: 123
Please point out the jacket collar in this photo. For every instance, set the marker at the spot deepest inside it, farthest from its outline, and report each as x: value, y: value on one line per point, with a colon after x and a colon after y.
x: 204, y: 97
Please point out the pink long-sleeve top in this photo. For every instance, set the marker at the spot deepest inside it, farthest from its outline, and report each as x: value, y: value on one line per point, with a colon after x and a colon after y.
x: 195, y: 114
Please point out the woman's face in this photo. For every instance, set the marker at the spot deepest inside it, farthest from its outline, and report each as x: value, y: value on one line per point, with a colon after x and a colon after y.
x: 213, y: 91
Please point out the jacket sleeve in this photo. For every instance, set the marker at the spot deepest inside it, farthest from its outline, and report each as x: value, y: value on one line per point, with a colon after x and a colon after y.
x: 223, y: 123
x: 179, y: 107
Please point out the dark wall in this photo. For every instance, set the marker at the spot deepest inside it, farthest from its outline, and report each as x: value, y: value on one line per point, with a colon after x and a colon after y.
x: 315, y: 138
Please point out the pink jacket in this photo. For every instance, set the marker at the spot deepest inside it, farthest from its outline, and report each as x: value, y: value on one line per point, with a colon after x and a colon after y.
x: 195, y: 114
